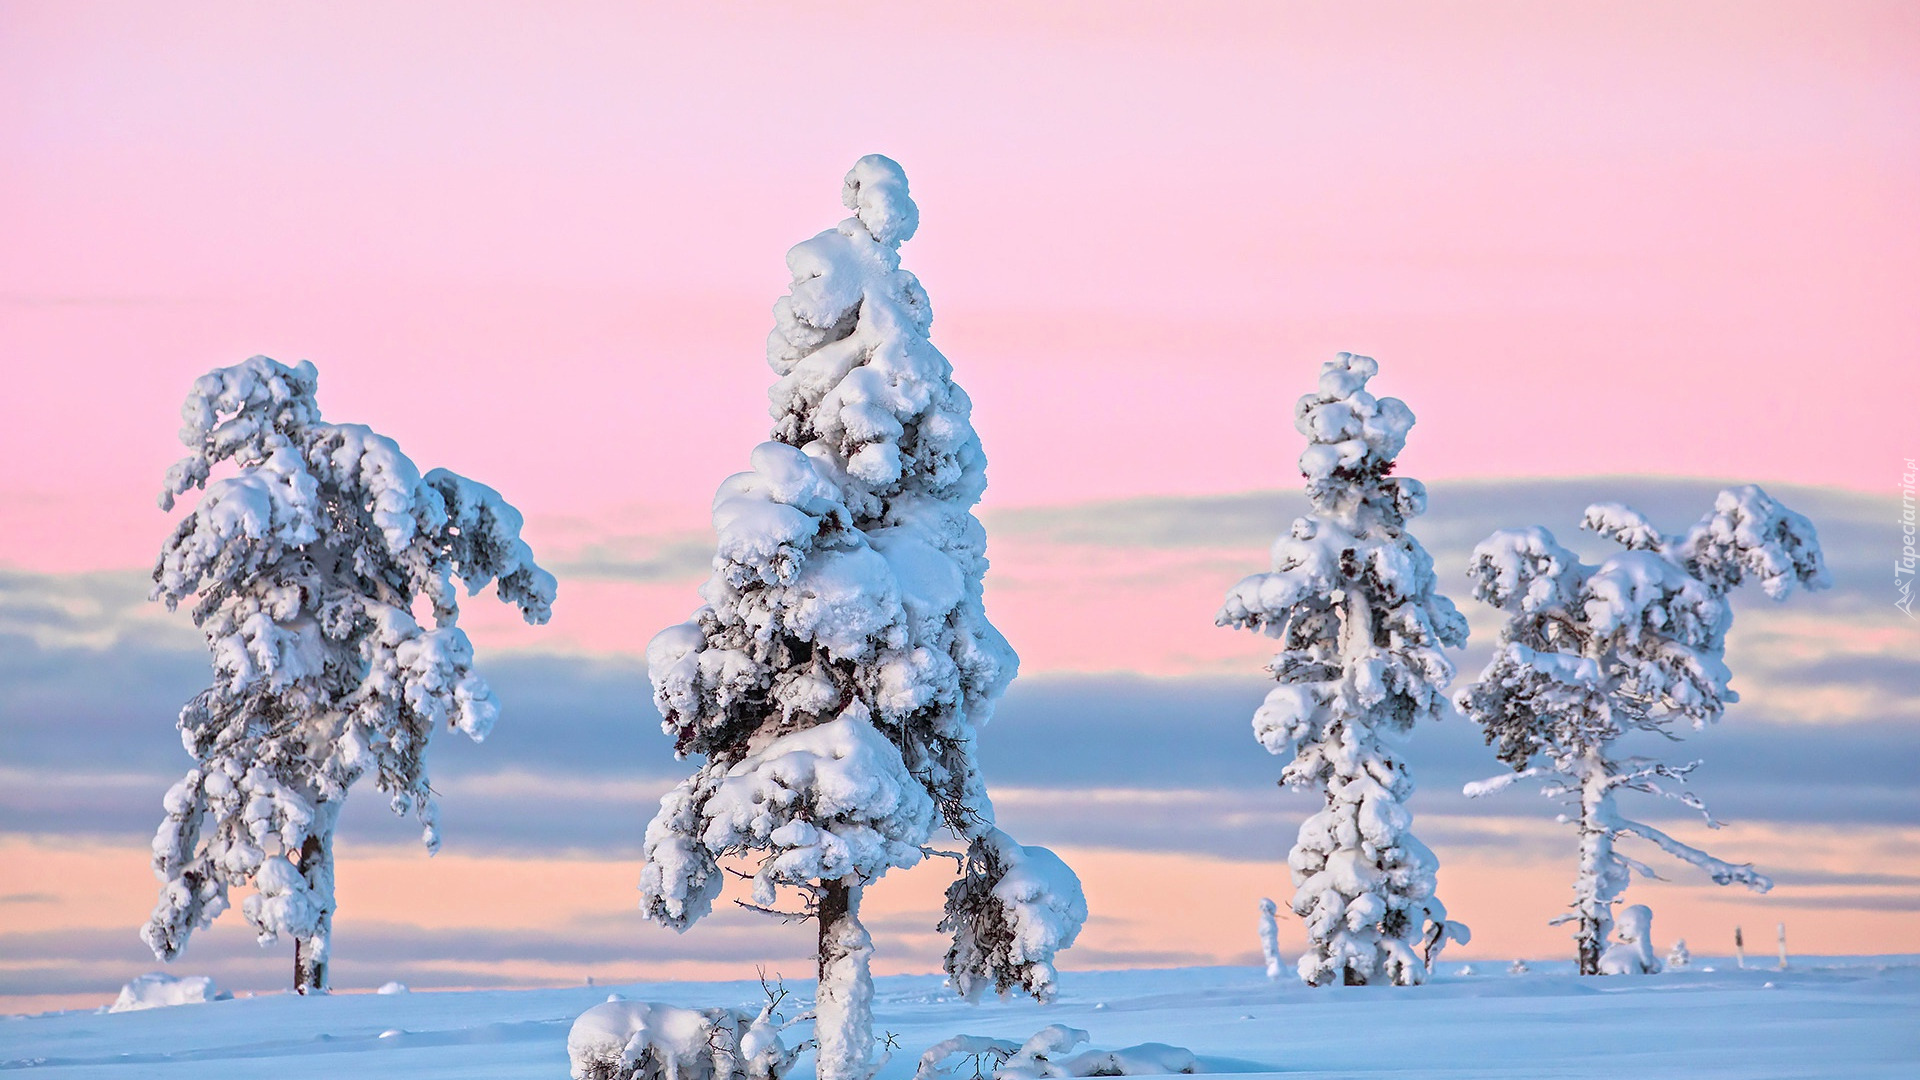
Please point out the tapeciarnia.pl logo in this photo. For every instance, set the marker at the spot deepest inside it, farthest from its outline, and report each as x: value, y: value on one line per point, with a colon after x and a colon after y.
x: 1903, y: 567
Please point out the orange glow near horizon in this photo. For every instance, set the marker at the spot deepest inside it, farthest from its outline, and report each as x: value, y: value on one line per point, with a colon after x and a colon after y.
x: 1147, y: 909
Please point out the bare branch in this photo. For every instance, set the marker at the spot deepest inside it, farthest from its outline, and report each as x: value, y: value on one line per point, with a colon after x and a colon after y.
x: 783, y: 916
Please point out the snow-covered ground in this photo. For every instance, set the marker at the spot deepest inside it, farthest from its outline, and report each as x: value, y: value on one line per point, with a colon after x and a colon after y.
x: 1827, y: 1017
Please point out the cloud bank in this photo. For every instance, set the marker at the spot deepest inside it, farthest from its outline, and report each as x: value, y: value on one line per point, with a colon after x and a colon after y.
x: 1152, y: 763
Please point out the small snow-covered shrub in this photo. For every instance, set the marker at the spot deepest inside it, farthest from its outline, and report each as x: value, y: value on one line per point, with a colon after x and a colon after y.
x: 1678, y: 957
x: 1632, y: 951
x: 159, y: 990
x: 1039, y: 1056
x: 1043, y: 1057
x: 641, y: 1040
x: 984, y: 1053
x: 1270, y: 938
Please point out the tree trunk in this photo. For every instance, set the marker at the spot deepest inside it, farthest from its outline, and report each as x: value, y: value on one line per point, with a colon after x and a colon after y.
x: 1356, y: 643
x: 843, y: 1004
x: 1589, y: 937
x: 310, y: 954
x: 1593, y: 904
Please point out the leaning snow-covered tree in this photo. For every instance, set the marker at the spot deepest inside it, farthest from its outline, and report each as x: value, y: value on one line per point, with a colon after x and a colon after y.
x: 1351, y: 599
x: 838, y: 674
x: 1591, y: 654
x: 306, y: 567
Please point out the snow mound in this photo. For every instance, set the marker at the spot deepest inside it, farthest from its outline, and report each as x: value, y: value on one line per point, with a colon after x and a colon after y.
x: 628, y: 1040
x: 1632, y: 953
x: 1042, y: 1057
x: 159, y: 990
x: 1146, y: 1059
x: 392, y: 988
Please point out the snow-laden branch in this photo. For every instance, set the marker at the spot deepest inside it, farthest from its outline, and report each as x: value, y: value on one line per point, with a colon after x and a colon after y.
x: 1493, y: 785
x: 1722, y: 872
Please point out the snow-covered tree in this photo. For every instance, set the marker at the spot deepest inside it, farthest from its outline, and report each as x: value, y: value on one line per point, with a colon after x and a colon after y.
x: 837, y: 676
x: 1590, y: 654
x: 1351, y: 599
x: 1678, y: 957
x: 306, y: 567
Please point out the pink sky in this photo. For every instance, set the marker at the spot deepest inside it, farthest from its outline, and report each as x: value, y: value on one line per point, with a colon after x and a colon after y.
x: 541, y: 248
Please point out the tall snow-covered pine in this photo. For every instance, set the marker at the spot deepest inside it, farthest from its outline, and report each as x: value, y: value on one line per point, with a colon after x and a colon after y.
x: 1351, y: 599
x: 838, y: 674
x: 1591, y: 654
x: 305, y: 566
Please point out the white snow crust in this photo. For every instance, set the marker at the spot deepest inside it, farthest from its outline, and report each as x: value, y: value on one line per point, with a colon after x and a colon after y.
x: 1839, y: 1018
x: 159, y: 990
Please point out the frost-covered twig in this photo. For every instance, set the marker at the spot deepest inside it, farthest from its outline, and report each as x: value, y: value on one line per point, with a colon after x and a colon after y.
x: 783, y: 916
